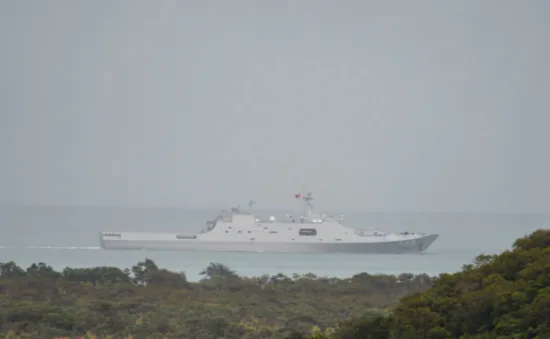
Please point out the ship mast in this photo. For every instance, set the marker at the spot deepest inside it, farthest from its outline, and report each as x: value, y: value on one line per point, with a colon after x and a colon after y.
x: 307, y: 198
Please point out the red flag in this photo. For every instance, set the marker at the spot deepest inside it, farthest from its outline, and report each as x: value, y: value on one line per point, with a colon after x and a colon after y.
x: 298, y: 196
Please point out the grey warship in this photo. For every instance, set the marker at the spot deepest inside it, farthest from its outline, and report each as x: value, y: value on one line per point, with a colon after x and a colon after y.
x: 242, y: 231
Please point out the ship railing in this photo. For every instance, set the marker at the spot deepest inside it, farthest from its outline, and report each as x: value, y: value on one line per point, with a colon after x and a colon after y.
x: 365, y: 232
x: 411, y: 233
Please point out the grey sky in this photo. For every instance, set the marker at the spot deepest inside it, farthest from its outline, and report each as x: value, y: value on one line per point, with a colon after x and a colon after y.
x: 384, y: 106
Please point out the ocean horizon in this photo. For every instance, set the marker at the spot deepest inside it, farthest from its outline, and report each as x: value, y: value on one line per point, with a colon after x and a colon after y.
x: 68, y: 236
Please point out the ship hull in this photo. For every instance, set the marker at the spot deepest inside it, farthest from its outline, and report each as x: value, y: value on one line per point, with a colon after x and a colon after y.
x: 416, y: 245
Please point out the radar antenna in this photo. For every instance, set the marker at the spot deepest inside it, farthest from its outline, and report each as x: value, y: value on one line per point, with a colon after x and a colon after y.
x: 307, y: 198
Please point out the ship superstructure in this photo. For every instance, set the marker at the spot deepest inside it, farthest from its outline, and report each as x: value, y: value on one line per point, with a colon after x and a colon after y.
x: 242, y: 230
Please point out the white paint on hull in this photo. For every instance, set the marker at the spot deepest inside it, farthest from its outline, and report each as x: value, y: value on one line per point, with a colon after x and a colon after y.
x: 409, y: 246
x: 242, y: 231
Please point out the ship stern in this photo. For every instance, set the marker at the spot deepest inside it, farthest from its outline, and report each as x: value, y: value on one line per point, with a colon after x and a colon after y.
x: 101, y: 242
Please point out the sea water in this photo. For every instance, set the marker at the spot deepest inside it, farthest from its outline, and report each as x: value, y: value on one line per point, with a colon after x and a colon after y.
x: 68, y: 237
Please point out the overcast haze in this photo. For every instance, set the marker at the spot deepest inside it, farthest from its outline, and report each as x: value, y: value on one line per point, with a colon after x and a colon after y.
x: 377, y: 106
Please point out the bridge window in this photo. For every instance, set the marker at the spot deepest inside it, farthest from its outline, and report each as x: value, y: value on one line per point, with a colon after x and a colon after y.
x: 308, y: 231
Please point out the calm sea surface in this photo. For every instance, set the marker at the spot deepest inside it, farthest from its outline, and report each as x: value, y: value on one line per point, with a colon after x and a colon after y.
x: 68, y: 236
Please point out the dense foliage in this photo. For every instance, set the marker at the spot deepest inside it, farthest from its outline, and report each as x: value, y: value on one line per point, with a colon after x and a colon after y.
x: 147, y: 301
x: 497, y: 296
